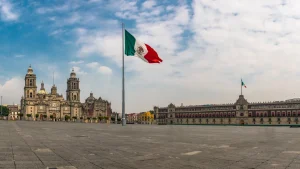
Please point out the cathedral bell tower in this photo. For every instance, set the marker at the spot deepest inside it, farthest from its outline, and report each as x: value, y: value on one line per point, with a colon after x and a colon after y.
x: 30, y: 85
x: 73, y: 91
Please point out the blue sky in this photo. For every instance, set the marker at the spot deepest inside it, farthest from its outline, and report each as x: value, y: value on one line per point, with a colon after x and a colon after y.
x: 207, y: 46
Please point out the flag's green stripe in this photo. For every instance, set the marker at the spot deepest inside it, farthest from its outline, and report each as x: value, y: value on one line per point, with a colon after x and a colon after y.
x: 243, y: 83
x: 129, y: 44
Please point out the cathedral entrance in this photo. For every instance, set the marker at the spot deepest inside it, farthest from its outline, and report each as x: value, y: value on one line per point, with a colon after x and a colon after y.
x: 242, y: 122
x: 54, y: 116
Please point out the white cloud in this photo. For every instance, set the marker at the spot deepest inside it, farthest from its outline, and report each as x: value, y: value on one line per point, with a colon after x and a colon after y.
x: 78, y: 70
x: 76, y: 62
x: 7, y: 12
x: 19, y: 56
x: 12, y: 90
x: 93, y: 65
x: 105, y: 70
x: 149, y: 4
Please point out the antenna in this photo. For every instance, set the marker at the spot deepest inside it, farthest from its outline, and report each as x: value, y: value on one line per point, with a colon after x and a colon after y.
x: 53, y: 78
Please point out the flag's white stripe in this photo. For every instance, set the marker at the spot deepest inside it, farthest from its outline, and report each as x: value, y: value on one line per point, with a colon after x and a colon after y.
x: 145, y: 50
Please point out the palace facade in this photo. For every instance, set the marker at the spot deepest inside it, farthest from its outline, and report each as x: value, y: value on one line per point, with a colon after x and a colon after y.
x: 239, y: 113
x: 41, y: 104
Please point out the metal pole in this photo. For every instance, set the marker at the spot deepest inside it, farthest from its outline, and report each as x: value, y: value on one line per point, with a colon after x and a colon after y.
x: 123, y: 90
x: 241, y: 87
x: 1, y: 105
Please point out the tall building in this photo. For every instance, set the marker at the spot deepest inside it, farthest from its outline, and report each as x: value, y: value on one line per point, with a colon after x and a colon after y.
x: 239, y: 113
x: 40, y: 104
x: 73, y: 95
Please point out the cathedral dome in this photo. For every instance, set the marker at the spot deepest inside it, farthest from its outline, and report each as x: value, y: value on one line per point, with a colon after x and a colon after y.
x: 73, y: 74
x: 43, y: 92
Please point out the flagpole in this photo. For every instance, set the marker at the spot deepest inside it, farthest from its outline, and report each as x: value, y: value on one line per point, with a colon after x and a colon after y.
x: 123, y: 80
x: 241, y: 87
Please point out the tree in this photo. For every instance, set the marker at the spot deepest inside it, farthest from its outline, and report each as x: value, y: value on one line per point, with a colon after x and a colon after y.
x: 5, y: 111
x: 112, y: 118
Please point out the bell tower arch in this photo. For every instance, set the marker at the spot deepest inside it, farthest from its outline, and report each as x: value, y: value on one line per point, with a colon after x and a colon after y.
x: 73, y: 90
x: 30, y: 87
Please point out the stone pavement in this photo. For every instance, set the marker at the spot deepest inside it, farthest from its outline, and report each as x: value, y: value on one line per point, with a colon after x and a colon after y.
x: 29, y: 144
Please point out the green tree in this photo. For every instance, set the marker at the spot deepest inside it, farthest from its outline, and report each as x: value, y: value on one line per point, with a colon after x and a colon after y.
x: 5, y: 111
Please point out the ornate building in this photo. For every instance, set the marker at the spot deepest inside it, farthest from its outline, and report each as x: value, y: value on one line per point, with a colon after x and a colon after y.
x: 42, y: 104
x: 239, y: 113
x: 96, y: 107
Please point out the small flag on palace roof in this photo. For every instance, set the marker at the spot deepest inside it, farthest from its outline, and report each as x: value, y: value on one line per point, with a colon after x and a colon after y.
x: 243, y: 84
x: 134, y: 47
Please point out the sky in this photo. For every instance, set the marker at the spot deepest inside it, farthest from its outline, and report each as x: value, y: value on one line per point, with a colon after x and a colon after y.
x: 207, y: 46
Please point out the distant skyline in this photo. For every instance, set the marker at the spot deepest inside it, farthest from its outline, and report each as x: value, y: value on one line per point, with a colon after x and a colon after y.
x: 206, y: 47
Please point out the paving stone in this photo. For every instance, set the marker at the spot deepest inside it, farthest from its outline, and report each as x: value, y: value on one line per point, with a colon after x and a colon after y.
x: 76, y: 145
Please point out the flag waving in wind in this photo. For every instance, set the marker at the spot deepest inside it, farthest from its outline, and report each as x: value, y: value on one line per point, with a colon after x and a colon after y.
x: 243, y: 84
x: 134, y: 47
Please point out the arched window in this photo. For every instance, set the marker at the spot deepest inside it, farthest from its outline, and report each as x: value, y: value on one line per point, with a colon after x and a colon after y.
x: 74, y: 97
x: 30, y: 95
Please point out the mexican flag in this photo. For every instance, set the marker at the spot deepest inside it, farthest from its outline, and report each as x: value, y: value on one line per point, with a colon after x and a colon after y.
x: 243, y: 84
x: 134, y: 47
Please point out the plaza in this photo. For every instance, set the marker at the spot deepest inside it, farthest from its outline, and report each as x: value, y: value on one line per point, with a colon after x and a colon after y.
x: 33, y: 144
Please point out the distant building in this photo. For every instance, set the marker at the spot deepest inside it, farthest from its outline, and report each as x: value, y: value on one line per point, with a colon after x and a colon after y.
x: 239, y: 113
x: 132, y: 118
x: 13, y: 111
x: 145, y: 118
x: 96, y: 107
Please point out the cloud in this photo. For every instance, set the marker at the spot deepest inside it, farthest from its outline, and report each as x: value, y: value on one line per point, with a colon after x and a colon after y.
x: 93, y: 65
x: 76, y: 62
x: 149, y: 4
x: 7, y: 12
x: 79, y: 71
x: 101, y: 69
x: 19, y: 56
x: 105, y: 70
x: 15, y: 86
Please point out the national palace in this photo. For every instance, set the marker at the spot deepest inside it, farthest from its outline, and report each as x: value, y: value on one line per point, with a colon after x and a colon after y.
x: 239, y: 113
x: 41, y: 104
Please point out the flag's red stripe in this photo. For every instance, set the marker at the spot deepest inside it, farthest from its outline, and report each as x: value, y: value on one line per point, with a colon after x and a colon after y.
x: 152, y: 56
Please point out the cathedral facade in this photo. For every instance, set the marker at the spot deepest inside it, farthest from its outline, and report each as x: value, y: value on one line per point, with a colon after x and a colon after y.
x: 41, y: 104
x: 239, y: 113
x: 96, y: 107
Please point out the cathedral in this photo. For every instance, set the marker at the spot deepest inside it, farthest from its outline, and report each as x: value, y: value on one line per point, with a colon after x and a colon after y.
x: 41, y: 104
